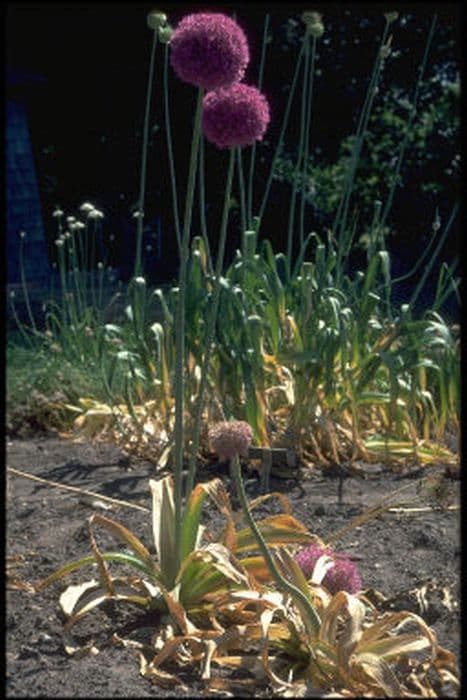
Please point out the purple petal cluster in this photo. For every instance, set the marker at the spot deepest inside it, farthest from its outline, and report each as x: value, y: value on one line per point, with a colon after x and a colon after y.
x: 343, y: 576
x: 230, y: 438
x: 209, y: 50
x: 236, y: 116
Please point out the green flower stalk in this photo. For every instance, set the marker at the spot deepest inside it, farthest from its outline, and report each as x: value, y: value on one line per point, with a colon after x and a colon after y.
x: 210, y: 327
x: 180, y: 326
x: 22, y: 238
x: 300, y: 154
x: 168, y: 133
x: 155, y: 20
x: 280, y: 141
x: 208, y: 50
x: 237, y: 116
x: 314, y: 31
x: 340, y: 221
x: 253, y: 148
x: 413, y: 114
x: 301, y: 600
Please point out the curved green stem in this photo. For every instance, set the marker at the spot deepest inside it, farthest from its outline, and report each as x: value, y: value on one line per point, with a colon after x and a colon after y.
x: 211, y: 323
x: 298, y: 596
x: 429, y: 267
x: 25, y: 286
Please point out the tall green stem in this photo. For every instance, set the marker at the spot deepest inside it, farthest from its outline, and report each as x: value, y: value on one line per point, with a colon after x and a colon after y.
x: 341, y: 216
x: 253, y: 148
x: 180, y: 327
x: 168, y: 132
x: 436, y: 252
x: 307, y: 141
x: 408, y: 130
x: 241, y: 189
x: 144, y: 153
x: 280, y: 141
x: 211, y: 323
x: 24, y: 284
x: 202, y: 206
x: 293, y: 196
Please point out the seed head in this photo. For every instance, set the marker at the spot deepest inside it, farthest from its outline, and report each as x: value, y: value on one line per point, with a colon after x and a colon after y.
x: 230, y: 438
x: 343, y: 576
x: 209, y: 50
x: 236, y: 116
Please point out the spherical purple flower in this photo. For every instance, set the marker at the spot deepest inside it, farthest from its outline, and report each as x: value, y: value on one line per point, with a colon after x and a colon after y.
x: 236, y: 116
x: 209, y: 50
x: 343, y: 576
x: 230, y: 438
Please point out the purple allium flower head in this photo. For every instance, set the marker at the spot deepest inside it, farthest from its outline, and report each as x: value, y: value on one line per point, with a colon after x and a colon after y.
x: 230, y: 438
x: 209, y: 50
x: 236, y: 116
x: 343, y: 576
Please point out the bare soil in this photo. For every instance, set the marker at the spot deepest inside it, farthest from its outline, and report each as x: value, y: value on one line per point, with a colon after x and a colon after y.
x: 398, y: 554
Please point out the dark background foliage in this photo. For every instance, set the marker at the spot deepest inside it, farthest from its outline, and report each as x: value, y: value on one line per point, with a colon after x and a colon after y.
x: 86, y: 115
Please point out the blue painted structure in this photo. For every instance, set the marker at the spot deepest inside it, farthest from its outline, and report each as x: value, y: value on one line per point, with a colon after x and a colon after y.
x: 23, y: 206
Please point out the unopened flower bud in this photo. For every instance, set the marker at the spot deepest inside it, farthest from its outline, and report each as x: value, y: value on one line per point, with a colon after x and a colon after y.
x: 313, y: 23
x: 95, y: 214
x: 156, y: 19
x: 165, y: 34
x: 86, y: 207
x: 139, y: 280
x: 57, y: 214
x: 391, y: 17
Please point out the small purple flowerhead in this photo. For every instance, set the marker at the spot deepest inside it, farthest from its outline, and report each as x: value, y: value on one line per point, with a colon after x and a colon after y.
x: 209, y: 50
x: 230, y: 438
x: 343, y: 576
x: 236, y: 116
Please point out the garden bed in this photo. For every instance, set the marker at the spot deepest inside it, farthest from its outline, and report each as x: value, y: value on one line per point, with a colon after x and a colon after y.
x: 412, y: 557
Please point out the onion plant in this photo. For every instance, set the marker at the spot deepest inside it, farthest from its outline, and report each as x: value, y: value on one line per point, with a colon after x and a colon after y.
x: 294, y: 348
